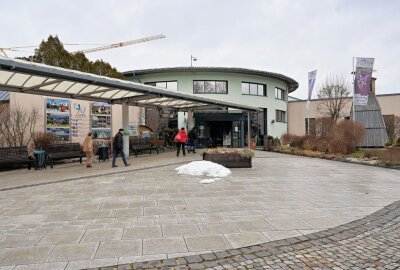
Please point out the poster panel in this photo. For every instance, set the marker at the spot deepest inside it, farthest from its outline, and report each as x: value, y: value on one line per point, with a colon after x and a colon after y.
x: 101, y: 124
x: 58, y: 117
x: 80, y: 120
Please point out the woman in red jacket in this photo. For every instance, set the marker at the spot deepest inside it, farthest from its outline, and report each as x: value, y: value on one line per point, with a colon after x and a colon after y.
x: 180, y: 140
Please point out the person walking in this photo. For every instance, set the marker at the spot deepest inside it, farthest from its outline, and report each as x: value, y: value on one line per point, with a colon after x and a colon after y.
x: 119, y: 148
x: 88, y: 149
x: 180, y: 140
x: 193, y: 138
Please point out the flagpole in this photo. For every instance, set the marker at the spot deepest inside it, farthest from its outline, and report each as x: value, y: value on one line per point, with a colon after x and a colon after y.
x: 354, y: 109
x: 308, y: 119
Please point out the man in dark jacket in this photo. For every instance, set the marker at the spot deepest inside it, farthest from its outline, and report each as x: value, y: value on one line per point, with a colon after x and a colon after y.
x: 193, y: 138
x: 119, y: 148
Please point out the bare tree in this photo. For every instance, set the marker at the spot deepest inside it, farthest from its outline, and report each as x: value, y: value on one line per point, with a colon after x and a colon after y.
x: 156, y: 120
x: 17, y: 127
x: 334, y: 96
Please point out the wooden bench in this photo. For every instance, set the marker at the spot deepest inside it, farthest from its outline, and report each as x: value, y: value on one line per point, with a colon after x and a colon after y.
x: 15, y: 155
x: 63, y: 151
x: 137, y: 146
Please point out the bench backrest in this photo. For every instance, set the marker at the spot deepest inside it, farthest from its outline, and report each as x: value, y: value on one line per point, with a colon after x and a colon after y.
x: 63, y: 147
x: 14, y: 151
x: 140, y: 142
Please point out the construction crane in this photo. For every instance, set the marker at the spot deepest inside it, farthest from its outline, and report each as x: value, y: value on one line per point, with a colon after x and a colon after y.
x: 15, y: 49
x: 105, y: 47
x: 122, y: 44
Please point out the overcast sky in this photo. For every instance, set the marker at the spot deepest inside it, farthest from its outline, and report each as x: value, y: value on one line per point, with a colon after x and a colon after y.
x: 290, y: 37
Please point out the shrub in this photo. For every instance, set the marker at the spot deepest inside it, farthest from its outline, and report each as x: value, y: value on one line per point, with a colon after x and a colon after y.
x: 293, y: 140
x: 389, y: 143
x: 286, y: 138
x: 367, y: 154
x: 42, y: 139
x: 276, y: 142
x: 389, y: 157
x: 243, y: 152
x: 345, y: 136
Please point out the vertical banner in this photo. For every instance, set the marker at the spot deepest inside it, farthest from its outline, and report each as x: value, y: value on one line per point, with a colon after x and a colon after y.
x: 312, y: 75
x: 362, y: 80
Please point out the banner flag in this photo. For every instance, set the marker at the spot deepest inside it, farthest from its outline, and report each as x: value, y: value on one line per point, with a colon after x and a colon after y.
x: 312, y: 75
x: 362, y: 80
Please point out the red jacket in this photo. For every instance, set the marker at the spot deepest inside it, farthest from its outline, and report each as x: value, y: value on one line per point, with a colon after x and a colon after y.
x: 184, y: 137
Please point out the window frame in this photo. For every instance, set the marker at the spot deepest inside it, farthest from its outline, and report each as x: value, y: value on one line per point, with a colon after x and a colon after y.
x: 280, y: 112
x: 312, y: 124
x: 215, y: 87
x: 283, y: 93
x: 166, y: 84
x: 265, y: 92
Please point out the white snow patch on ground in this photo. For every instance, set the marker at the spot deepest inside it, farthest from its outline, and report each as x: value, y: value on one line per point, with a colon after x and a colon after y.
x: 209, y: 180
x: 203, y: 168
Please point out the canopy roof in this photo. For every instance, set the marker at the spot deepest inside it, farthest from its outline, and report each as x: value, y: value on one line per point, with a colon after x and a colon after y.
x: 39, y: 79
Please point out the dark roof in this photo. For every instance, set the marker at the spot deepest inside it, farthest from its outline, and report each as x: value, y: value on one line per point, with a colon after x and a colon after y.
x: 292, y: 84
x: 4, y: 95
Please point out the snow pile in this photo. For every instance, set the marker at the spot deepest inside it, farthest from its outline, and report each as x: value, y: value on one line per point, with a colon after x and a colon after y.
x: 203, y: 167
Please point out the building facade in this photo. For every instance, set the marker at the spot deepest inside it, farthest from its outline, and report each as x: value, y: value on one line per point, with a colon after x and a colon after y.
x: 298, y: 115
x: 265, y: 90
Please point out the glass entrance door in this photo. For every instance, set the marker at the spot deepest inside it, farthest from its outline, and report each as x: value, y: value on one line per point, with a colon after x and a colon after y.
x: 236, y: 131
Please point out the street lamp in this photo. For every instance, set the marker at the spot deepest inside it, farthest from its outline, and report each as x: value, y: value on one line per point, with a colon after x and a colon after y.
x: 192, y: 58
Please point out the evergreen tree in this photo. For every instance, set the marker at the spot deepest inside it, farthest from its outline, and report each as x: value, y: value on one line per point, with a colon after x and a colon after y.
x: 52, y: 52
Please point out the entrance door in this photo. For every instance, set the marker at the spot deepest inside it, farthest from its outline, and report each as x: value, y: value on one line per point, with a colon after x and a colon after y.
x: 236, y: 131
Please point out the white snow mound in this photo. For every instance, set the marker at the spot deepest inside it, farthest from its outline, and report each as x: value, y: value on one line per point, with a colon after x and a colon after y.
x: 203, y: 167
x: 209, y: 180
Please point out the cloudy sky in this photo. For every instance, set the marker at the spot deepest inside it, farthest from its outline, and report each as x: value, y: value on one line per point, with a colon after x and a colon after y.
x: 290, y: 37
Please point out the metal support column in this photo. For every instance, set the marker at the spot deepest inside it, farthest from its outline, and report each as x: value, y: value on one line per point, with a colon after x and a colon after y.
x: 125, y: 125
x: 248, y: 129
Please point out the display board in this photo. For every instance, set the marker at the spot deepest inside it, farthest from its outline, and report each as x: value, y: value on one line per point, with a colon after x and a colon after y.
x: 58, y: 117
x: 101, y: 123
x: 80, y: 121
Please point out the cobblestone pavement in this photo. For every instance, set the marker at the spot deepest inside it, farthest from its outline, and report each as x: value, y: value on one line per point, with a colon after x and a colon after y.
x: 369, y: 243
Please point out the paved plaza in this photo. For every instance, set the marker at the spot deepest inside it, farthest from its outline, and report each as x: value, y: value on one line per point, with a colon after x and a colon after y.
x: 69, y: 218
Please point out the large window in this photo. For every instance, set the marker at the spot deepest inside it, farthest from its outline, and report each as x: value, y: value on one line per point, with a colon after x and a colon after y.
x: 210, y: 87
x: 280, y: 116
x: 255, y: 89
x: 170, y: 85
x: 280, y: 93
x: 310, y: 129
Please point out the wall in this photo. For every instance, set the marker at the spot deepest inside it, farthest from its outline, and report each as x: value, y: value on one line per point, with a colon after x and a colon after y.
x: 185, y: 84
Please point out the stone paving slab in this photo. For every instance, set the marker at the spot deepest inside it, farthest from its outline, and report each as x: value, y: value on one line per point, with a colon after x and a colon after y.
x: 164, y: 245
x: 72, y: 252
x: 206, y: 243
x: 115, y: 249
